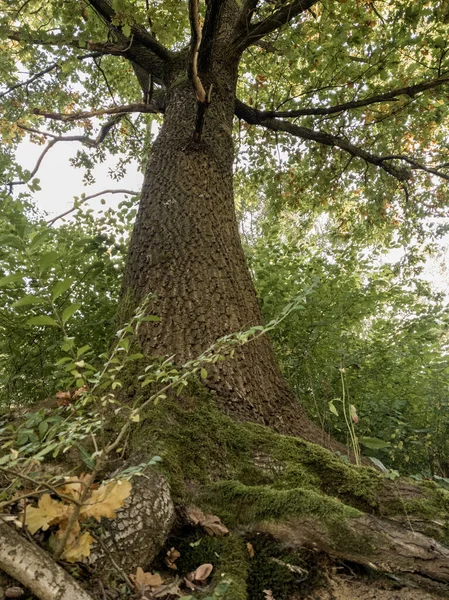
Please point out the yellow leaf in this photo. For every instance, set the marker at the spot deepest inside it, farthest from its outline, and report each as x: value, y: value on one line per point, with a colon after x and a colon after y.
x: 79, y: 548
x: 74, y: 486
x: 47, y: 513
x: 106, y: 500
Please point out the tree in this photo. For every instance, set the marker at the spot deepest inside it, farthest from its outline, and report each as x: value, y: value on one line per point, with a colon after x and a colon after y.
x: 185, y: 246
x: 366, y: 82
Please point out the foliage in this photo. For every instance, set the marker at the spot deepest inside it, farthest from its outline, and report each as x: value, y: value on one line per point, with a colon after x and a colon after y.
x: 371, y: 325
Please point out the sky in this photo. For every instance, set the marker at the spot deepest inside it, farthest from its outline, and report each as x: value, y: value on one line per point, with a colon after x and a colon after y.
x: 60, y: 182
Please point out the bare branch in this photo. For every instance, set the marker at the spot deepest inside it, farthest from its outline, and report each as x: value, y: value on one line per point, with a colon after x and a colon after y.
x: 252, y: 116
x: 87, y: 141
x: 154, y: 107
x: 30, y: 80
x: 391, y: 95
x: 277, y: 19
x: 77, y: 204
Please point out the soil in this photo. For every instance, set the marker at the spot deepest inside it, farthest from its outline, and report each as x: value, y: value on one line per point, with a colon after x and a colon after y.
x: 349, y: 588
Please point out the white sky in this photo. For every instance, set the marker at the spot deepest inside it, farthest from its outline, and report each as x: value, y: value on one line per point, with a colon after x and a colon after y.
x: 60, y: 183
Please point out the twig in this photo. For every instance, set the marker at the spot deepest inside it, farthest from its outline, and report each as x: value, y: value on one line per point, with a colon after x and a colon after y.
x: 78, y: 204
x: 113, y: 110
x: 92, y: 143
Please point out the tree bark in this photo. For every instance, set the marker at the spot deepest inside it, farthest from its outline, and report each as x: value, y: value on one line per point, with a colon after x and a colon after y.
x: 35, y: 569
x: 186, y: 249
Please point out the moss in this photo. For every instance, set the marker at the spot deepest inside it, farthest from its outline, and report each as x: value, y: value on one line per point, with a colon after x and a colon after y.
x: 228, y: 555
x: 249, y: 504
x: 245, y: 472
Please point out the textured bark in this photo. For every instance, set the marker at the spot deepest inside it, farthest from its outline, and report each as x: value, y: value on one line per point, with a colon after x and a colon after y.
x: 186, y: 249
x: 383, y: 545
x: 34, y: 568
x: 140, y: 529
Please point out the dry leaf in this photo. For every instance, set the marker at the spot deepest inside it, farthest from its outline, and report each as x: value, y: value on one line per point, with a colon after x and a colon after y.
x: 250, y: 549
x: 75, y: 486
x: 195, y: 515
x: 268, y: 595
x: 143, y: 580
x: 201, y: 573
x: 47, y: 513
x: 79, y: 548
x: 106, y: 500
x: 169, y: 589
x: 189, y: 584
x: 211, y: 523
x: 214, y: 526
x: 172, y: 556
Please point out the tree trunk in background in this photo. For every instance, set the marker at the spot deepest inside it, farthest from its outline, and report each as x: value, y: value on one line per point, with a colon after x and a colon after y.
x: 186, y: 249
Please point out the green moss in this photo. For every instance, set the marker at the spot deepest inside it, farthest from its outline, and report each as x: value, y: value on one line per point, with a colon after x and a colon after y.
x: 228, y: 555
x: 249, y: 504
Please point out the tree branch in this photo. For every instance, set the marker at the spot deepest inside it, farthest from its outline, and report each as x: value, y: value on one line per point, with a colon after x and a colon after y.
x: 52, y: 221
x: 209, y: 32
x: 277, y: 19
x: 155, y: 107
x: 35, y: 569
x: 410, y: 91
x: 252, y: 116
x: 138, y: 33
x: 92, y: 143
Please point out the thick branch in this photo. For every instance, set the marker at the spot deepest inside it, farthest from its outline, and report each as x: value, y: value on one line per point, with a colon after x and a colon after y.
x: 209, y: 32
x: 277, y: 19
x: 410, y: 91
x: 139, y: 34
x: 252, y: 116
x: 35, y: 569
x: 155, y: 107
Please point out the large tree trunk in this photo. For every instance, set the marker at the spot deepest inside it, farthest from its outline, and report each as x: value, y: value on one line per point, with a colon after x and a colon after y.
x: 186, y: 249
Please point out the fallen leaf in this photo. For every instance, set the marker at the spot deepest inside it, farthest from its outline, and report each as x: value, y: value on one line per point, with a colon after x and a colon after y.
x: 214, y: 526
x: 79, y: 548
x: 211, y: 523
x: 75, y: 486
x: 169, y: 589
x: 201, y: 573
x: 172, y: 556
x: 48, y: 512
x: 268, y: 595
x: 144, y: 580
x: 250, y: 549
x: 105, y: 501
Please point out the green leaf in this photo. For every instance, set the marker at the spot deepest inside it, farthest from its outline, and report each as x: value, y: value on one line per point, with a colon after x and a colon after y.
x: 42, y: 320
x: 46, y: 450
x: 374, y: 443
x: 126, y: 30
x: 203, y: 373
x: 38, y: 239
x: 82, y: 350
x: 61, y: 287
x: 47, y: 259
x: 14, y: 278
x: 29, y: 299
x: 332, y: 408
x: 12, y: 241
x: 70, y: 311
